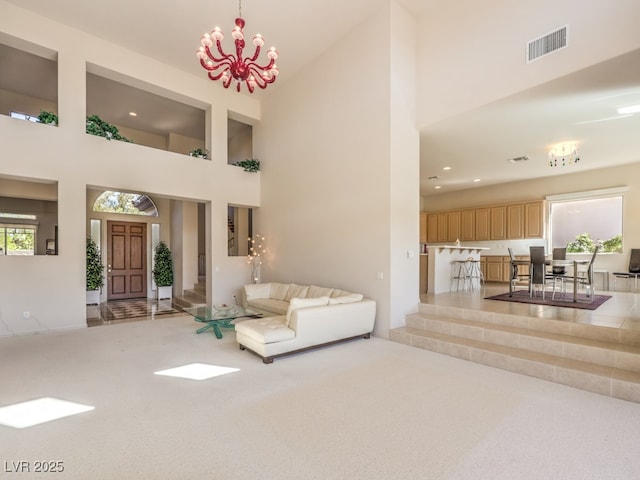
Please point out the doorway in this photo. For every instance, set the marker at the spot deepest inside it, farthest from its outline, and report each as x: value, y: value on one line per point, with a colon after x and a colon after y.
x: 126, y: 260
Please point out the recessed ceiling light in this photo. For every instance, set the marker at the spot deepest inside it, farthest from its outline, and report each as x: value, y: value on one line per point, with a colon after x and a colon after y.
x: 133, y: 114
x: 446, y: 168
x: 438, y: 187
x: 629, y: 109
x: 476, y: 179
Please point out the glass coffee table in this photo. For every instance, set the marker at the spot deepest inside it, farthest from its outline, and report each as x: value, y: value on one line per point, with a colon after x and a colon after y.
x: 215, y: 318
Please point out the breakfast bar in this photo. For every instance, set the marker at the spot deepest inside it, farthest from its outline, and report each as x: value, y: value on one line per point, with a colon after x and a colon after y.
x: 441, y: 259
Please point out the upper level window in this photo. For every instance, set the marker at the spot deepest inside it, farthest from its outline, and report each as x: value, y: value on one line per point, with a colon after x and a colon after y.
x: 580, y: 222
x: 126, y: 203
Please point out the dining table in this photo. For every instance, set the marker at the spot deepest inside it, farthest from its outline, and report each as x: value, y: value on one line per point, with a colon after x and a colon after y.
x: 572, y: 264
x: 553, y: 263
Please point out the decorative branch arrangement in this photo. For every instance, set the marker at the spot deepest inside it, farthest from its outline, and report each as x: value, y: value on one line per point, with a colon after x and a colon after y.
x: 256, y: 250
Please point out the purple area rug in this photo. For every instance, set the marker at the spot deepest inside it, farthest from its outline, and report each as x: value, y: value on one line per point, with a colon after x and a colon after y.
x: 522, y: 296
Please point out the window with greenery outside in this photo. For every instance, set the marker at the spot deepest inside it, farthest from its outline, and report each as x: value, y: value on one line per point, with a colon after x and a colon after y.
x: 585, y: 244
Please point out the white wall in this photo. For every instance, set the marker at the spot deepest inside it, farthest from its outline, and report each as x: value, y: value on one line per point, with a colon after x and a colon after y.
x: 338, y: 153
x: 52, y: 288
x: 471, y: 53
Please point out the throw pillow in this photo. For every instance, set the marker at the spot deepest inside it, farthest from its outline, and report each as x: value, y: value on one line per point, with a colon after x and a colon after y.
x: 315, y: 291
x: 278, y: 290
x: 351, y: 298
x: 299, y: 291
x: 257, y: 290
x: 297, y: 303
x: 339, y: 293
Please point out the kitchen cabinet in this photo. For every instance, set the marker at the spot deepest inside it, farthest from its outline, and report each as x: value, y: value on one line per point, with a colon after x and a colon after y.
x: 424, y: 273
x: 515, y: 221
x: 443, y: 232
x: 467, y: 225
x: 482, y: 224
x: 494, y: 269
x: 497, y: 268
x: 432, y: 228
x: 498, y: 222
x: 534, y: 219
x: 453, y: 226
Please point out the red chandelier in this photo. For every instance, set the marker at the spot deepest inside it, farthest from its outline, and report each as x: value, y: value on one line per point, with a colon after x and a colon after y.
x: 229, y: 66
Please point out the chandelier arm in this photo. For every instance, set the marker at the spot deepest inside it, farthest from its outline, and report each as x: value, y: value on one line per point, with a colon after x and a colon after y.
x: 223, y: 63
x: 268, y: 66
x: 224, y: 55
x: 218, y: 76
x: 259, y: 79
x: 229, y: 58
x: 254, y: 57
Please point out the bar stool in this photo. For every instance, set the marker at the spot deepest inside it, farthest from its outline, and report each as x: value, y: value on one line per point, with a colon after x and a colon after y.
x: 459, y: 274
x: 474, y: 273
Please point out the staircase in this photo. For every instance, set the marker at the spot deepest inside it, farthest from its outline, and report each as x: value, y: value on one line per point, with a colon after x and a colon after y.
x: 593, y: 358
x: 196, y: 297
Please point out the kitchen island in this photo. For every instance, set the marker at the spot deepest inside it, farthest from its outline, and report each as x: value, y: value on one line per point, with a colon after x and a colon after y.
x: 440, y: 264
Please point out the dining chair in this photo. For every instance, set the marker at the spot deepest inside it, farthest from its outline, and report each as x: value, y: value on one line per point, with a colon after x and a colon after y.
x: 585, y: 277
x: 516, y: 275
x: 558, y: 273
x: 538, y: 270
x: 633, y: 269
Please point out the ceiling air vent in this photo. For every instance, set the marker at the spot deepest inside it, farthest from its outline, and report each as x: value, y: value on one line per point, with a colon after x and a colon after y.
x: 546, y: 44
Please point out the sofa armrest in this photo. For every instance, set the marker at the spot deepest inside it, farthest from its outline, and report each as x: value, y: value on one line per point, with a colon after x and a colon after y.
x: 331, y: 322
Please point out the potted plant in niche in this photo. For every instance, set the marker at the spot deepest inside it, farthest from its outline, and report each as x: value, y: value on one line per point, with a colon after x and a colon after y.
x: 199, y: 153
x: 249, y: 165
x: 163, y: 271
x: 48, y: 118
x: 97, y: 126
x: 95, y: 280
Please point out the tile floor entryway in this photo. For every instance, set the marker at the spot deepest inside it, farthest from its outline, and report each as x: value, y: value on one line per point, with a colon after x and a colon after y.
x: 132, y: 310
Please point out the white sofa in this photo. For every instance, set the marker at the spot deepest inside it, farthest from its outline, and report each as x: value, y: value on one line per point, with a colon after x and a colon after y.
x: 301, y: 317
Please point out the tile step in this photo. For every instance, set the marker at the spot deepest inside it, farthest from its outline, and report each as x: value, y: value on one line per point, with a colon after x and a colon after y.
x: 605, y: 380
x: 611, y: 354
x: 544, y: 325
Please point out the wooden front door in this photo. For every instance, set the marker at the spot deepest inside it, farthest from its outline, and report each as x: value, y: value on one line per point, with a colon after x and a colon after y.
x: 126, y: 260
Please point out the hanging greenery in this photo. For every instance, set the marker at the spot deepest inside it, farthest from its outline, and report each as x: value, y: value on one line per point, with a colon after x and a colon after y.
x: 249, y: 165
x: 95, y: 280
x: 97, y: 126
x: 163, y: 266
x: 48, y: 117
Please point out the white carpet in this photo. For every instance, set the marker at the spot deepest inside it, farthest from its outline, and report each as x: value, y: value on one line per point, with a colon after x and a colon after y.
x: 368, y: 409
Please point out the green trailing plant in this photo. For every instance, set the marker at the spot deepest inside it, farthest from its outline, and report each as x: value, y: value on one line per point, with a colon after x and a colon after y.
x: 95, y: 280
x: 163, y: 266
x: 613, y: 245
x: 97, y: 126
x: 199, y: 152
x: 249, y: 165
x: 48, y: 117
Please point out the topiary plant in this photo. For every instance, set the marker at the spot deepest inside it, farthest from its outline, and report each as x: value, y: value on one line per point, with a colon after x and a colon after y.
x: 95, y: 280
x: 163, y: 266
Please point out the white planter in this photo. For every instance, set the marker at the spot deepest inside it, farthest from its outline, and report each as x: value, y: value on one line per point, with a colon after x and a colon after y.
x: 93, y: 297
x: 165, y: 292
